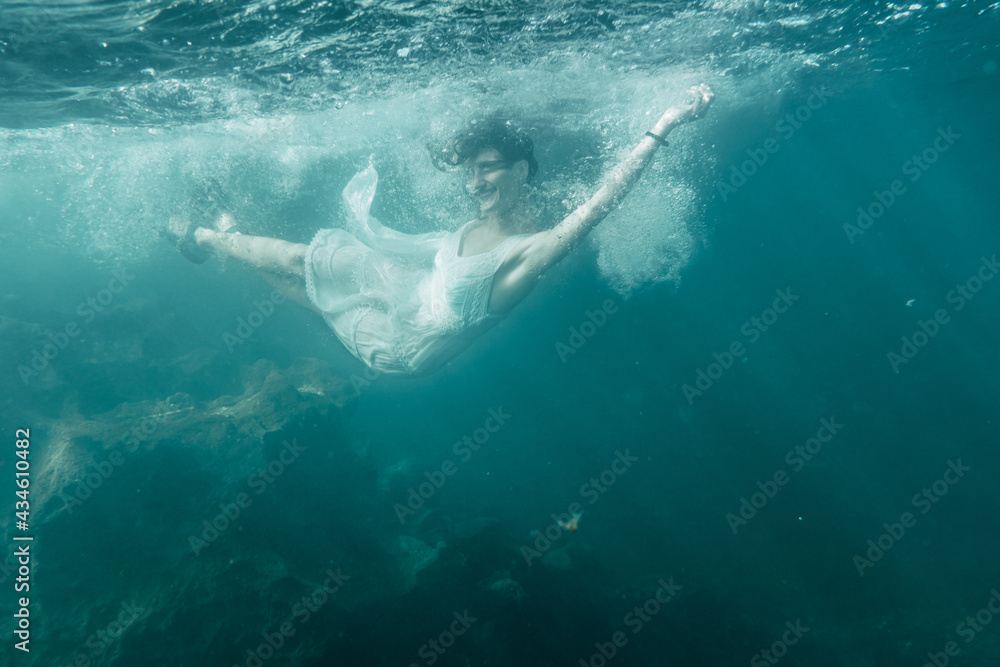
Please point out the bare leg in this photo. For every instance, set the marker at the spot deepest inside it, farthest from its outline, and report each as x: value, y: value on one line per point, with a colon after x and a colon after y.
x: 260, y: 252
x: 292, y: 288
x: 279, y: 262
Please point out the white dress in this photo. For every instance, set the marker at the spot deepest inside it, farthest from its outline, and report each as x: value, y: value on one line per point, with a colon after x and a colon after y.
x: 401, y: 303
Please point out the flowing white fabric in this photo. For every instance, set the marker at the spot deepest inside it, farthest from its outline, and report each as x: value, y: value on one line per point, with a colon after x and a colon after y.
x: 401, y: 303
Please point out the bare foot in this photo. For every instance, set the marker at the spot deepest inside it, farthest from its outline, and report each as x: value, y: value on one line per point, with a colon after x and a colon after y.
x: 212, y: 237
x: 182, y: 234
x: 224, y: 223
x: 206, y: 238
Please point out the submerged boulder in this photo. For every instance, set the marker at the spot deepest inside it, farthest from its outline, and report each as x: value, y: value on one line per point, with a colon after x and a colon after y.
x: 414, y: 556
x: 504, y: 588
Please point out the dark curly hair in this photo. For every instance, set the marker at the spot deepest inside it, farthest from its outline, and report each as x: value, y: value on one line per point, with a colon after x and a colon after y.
x: 513, y: 143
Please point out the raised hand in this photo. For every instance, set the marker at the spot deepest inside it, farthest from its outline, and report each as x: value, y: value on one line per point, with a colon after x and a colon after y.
x: 703, y: 98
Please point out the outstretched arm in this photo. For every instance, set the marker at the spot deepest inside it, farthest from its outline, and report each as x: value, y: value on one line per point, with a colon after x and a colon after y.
x: 539, y: 252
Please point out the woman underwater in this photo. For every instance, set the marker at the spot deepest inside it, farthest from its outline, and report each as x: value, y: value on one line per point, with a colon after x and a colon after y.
x: 405, y: 303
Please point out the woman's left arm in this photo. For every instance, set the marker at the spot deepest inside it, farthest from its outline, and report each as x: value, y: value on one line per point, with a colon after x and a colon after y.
x: 539, y: 252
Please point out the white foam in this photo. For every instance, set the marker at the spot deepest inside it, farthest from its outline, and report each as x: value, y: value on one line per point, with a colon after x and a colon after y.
x: 114, y: 187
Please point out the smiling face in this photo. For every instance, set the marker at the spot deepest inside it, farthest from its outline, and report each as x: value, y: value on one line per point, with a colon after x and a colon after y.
x: 495, y: 183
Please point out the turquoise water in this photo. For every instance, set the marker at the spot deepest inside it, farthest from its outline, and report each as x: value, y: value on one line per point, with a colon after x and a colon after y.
x: 768, y: 382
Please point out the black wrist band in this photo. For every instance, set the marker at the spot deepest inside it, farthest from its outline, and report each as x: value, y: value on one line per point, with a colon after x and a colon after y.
x: 658, y: 138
